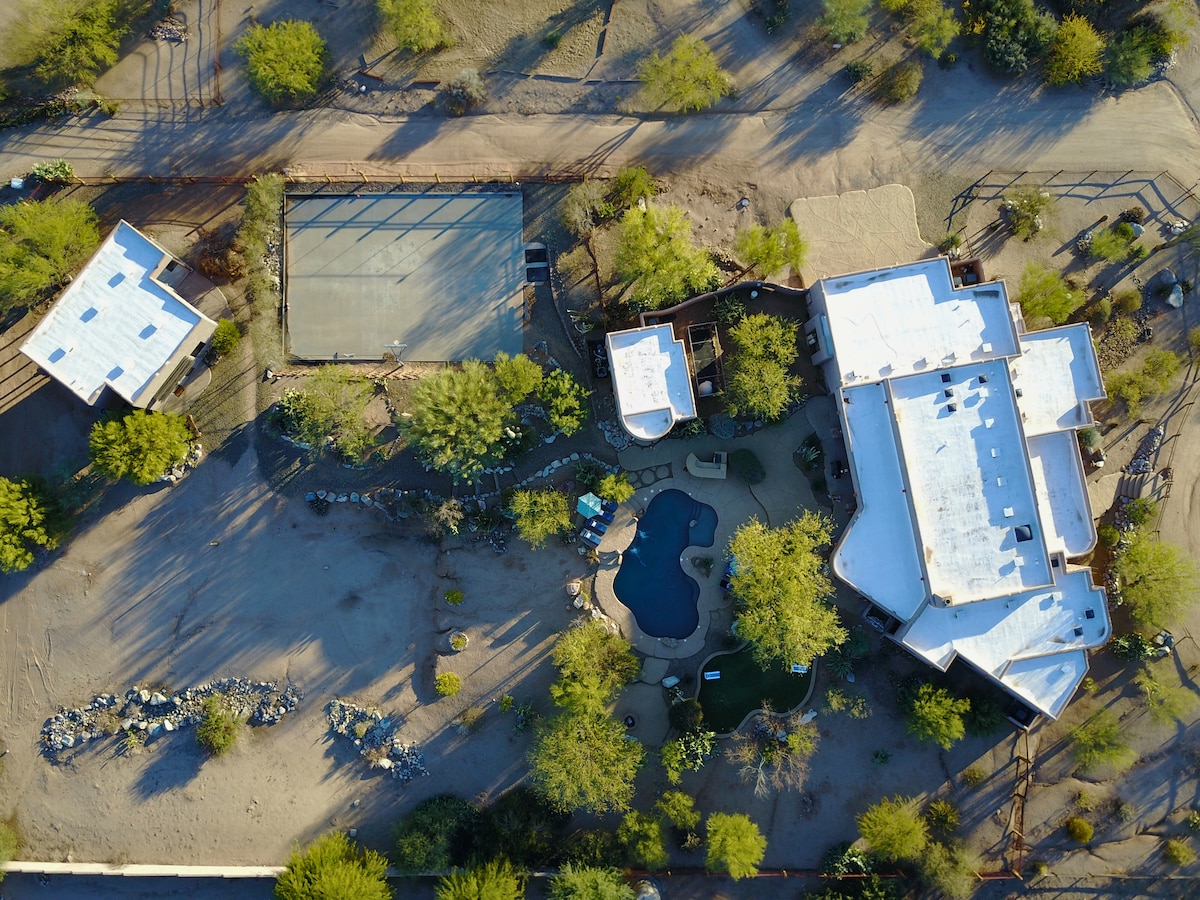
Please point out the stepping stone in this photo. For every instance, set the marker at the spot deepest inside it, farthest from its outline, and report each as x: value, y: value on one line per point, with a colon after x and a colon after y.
x: 654, y: 670
x: 663, y: 471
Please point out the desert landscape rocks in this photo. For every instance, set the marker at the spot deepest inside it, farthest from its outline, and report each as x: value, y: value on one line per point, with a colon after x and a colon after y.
x: 153, y: 712
x: 374, y: 734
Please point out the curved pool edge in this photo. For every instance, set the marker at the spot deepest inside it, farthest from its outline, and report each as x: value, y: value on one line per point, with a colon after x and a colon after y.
x: 812, y: 686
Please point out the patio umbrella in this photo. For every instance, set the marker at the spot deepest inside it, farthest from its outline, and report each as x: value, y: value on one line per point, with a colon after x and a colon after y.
x: 589, y: 505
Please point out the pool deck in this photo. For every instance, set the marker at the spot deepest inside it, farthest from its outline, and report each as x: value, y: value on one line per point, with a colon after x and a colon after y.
x: 783, y: 495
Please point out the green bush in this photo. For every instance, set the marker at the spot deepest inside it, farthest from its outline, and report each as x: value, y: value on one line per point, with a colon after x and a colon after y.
x: 1100, y: 741
x: 286, y: 61
x: 453, y: 597
x: 846, y: 21
x: 1015, y: 32
x: 330, y: 407
x: 1090, y: 438
x: 540, y: 514
x: 438, y: 834
x: 1132, y: 647
x: 226, y: 338
x: 58, y: 171
x: 218, y: 729
x: 67, y: 42
x: 41, y: 243
x: 900, y: 81
x: 1079, y: 830
x: 1026, y: 207
x: 31, y: 517
x: 642, y: 837
x: 465, y: 91
x: 1043, y: 293
x: 414, y: 24
x: 140, y: 447
x: 447, y: 684
x: 334, y: 866
x: 686, y: 715
x: 628, y: 186
x: 615, y: 487
x: 1178, y: 852
x: 1101, y: 313
x: 859, y: 70
x: 759, y: 382
x: 1109, y: 535
x: 747, y: 467
x: 1076, y: 51
x: 1108, y: 245
x: 1140, y: 511
x: 942, y: 816
x: 1128, y: 60
x: 687, y: 78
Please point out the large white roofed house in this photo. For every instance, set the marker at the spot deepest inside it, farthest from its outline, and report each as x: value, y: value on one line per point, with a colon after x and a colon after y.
x: 959, y: 430
x: 121, y: 325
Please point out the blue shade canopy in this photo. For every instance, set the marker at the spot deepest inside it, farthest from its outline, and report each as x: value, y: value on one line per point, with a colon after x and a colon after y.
x: 589, y: 505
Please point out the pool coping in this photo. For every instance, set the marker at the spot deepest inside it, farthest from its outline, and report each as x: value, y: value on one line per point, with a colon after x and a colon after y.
x: 812, y: 686
x: 711, y: 598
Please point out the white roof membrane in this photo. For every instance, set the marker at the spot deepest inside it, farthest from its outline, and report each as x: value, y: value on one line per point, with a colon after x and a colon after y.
x: 1062, y: 493
x: 1056, y: 374
x: 651, y: 380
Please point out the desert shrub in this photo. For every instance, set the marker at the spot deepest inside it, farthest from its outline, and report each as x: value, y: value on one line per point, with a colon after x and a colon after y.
x: 686, y: 715
x: 949, y: 869
x: 731, y: 309
x: 41, y: 244
x: 846, y: 21
x: 1101, y: 313
x: 414, y: 24
x: 687, y: 78
x: 934, y: 715
x: 1140, y: 511
x: 642, y: 837
x: 1076, y: 51
x: 584, y: 207
x: 226, y: 337
x: 894, y: 829
x: 1128, y: 59
x: 140, y: 447
x: 931, y: 25
x: 9, y: 842
x: 1167, y: 703
x: 286, y: 61
x: 627, y: 187
x: 57, y: 171
x: 334, y: 866
x: 1131, y: 647
x: 68, y: 42
x: 986, y: 714
x: 974, y: 776
x: 1026, y: 207
x: 615, y: 487
x: 447, y: 684
x: 593, y: 847
x: 746, y: 466
x: 658, y: 257
x: 1079, y: 829
x: 859, y: 71
x: 1128, y: 302
x: 942, y: 816
x: 679, y: 809
x: 1151, y: 380
x: 218, y: 729
x: 453, y: 597
x: 1042, y: 292
x: 1178, y: 852
x: 1015, y: 32
x: 1109, y: 535
x: 465, y: 91
x: 329, y: 410
x: 1100, y: 742
x: 1109, y: 245
x: 437, y: 835
x: 854, y: 704
x: 1090, y: 438
x: 900, y: 81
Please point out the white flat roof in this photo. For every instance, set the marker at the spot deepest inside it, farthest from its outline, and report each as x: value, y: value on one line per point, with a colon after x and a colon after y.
x: 1062, y: 493
x: 877, y: 554
x: 970, y: 482
x: 1025, y: 641
x: 1056, y: 373
x: 911, y: 319
x: 651, y: 380
x: 114, y: 324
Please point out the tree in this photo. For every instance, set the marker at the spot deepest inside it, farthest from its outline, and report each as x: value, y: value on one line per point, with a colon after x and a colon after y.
x: 1167, y: 703
x: 434, y: 835
x: 688, y: 752
x: 846, y: 21
x: 771, y: 249
x: 496, y: 880
x: 656, y: 255
x: 949, y: 869
x: 594, y: 664
x: 679, y: 809
x: 141, y: 447
x: 1129, y: 59
x: 564, y: 399
x: 578, y: 882
x: 334, y: 868
x: 687, y: 78
x: 583, y: 761
x: 759, y: 383
x: 218, y: 729
x: 735, y: 845
x: 931, y: 25
x: 331, y: 407
x: 1152, y: 379
x: 894, y: 828
x: 934, y: 715
x: 41, y: 243
x: 1076, y: 51
x: 414, y: 24
x: 1100, y: 742
x: 1158, y: 581
x: 783, y: 592
x: 464, y: 91
x: 1042, y: 293
x: 67, y: 42
x: 615, y: 486
x: 540, y: 514
x: 30, y: 517
x: 774, y: 754
x: 642, y: 837
x: 285, y: 61
x: 459, y: 420
x: 1025, y: 206
x: 1015, y: 32
x: 517, y: 376
x: 226, y: 338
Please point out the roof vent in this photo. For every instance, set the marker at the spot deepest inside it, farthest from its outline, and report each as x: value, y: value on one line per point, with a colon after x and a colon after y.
x: 983, y: 378
x: 1020, y: 393
x: 945, y: 378
x: 1089, y: 613
x: 951, y: 407
x: 949, y: 393
x: 1024, y: 533
x: 1078, y: 631
x: 1009, y: 512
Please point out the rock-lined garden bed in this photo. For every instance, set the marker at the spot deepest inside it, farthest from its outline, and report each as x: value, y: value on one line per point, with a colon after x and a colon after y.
x: 152, y: 713
x: 374, y: 734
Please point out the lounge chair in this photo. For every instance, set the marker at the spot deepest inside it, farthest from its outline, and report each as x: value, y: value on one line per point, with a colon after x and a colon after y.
x: 590, y: 536
x: 597, y: 526
x: 609, y: 506
x: 605, y: 517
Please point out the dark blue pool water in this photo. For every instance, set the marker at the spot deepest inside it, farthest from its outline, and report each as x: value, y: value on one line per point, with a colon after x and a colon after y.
x: 650, y: 581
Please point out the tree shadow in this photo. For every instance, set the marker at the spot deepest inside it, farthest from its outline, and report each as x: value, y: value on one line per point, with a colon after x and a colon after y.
x: 174, y: 762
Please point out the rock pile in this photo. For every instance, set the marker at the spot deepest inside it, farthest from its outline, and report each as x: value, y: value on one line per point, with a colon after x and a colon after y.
x: 374, y: 734
x: 170, y: 29
x: 155, y: 713
x: 195, y: 454
x: 1143, y: 460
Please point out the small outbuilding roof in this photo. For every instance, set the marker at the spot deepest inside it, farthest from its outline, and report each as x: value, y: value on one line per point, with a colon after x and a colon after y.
x: 651, y: 380
x: 119, y: 324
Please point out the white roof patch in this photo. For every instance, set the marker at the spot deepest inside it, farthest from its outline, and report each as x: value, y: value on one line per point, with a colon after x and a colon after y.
x: 1057, y: 374
x: 651, y: 380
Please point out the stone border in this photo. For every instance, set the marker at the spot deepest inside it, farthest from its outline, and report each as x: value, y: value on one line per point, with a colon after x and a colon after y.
x: 812, y: 686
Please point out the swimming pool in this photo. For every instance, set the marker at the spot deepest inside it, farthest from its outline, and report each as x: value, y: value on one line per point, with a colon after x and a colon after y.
x: 651, y: 582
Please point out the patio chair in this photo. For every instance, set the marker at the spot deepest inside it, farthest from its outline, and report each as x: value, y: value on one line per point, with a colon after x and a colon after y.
x: 609, y: 506
x: 597, y: 526
x: 590, y: 536
x: 605, y: 516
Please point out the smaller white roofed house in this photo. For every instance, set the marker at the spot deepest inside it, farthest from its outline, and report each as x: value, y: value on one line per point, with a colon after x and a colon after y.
x: 971, y: 500
x: 652, y: 381
x: 121, y: 325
